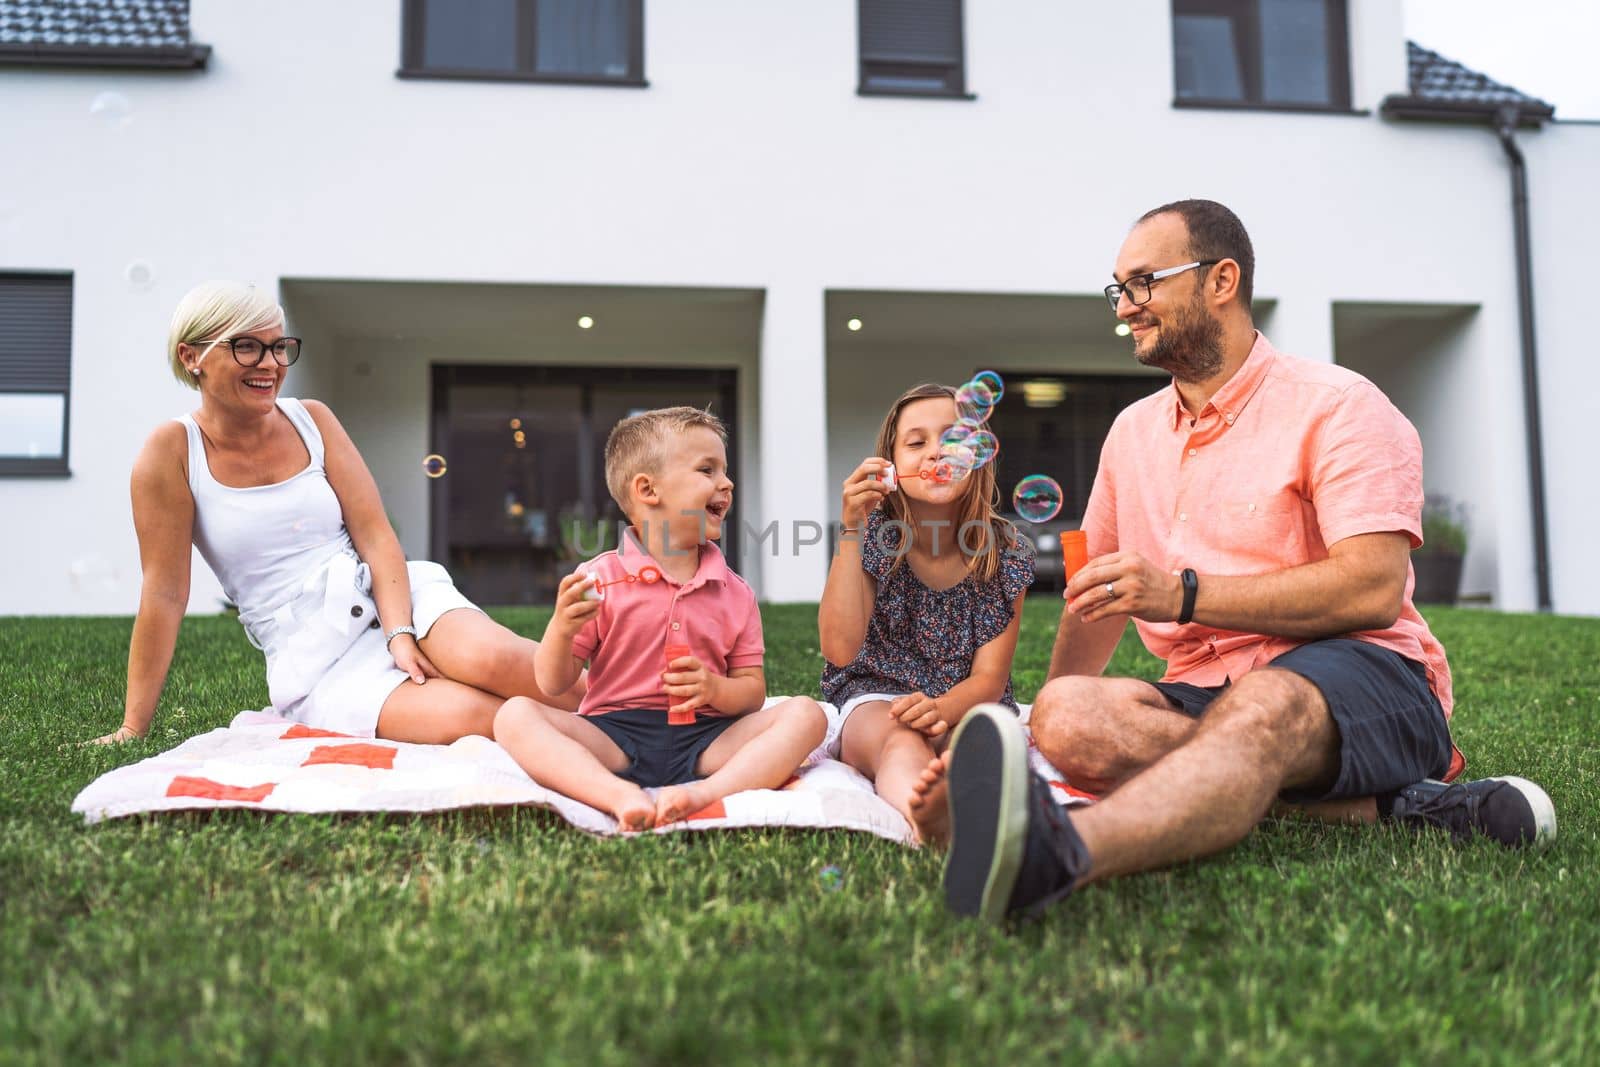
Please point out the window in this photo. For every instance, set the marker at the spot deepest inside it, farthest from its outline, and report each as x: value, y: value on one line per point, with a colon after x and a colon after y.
x: 598, y: 42
x: 524, y: 498
x: 912, y: 48
x: 1292, y: 54
x: 1054, y: 424
x: 35, y: 372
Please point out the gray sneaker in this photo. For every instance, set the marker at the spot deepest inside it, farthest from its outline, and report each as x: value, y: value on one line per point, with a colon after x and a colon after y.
x: 1512, y: 811
x: 1012, y: 848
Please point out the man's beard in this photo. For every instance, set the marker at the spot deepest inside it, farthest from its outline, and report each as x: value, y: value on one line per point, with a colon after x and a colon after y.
x: 1188, y: 345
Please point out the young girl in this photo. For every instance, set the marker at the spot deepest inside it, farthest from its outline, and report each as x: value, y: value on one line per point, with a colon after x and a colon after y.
x: 920, y: 615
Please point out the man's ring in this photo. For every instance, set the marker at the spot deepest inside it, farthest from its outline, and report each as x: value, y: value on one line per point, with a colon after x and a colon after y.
x: 1110, y: 592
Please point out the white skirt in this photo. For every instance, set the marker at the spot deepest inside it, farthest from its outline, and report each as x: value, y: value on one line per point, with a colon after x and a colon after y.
x: 328, y: 666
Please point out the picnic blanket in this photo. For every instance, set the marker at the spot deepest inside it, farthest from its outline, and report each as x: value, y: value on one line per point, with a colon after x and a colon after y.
x: 264, y: 762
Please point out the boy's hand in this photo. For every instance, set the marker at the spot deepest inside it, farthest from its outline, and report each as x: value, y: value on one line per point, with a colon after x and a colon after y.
x: 864, y: 490
x: 690, y: 684
x: 572, y: 610
x: 920, y: 712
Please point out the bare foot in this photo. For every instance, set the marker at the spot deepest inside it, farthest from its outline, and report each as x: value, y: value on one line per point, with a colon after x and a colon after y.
x: 678, y: 802
x: 930, y: 814
x: 634, y: 811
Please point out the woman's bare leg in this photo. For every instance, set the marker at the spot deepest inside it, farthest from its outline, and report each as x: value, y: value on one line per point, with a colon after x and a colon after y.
x: 472, y: 648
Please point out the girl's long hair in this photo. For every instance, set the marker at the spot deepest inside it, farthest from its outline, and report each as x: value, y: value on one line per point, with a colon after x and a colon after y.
x: 979, y: 503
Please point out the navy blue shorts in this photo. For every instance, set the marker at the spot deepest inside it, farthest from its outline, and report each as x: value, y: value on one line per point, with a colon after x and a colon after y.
x: 1392, y: 731
x: 658, y: 753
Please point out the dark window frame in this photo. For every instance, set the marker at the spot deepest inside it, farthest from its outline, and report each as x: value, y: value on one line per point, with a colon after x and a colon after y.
x: 869, y: 66
x: 411, y: 52
x: 723, y: 380
x: 51, y: 466
x: 1245, y: 13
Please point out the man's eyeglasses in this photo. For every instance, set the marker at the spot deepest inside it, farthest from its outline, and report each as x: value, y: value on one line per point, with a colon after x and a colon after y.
x: 248, y: 352
x: 1138, y: 287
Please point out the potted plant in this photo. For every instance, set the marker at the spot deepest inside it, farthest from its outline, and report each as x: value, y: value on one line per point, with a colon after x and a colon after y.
x: 1444, y: 544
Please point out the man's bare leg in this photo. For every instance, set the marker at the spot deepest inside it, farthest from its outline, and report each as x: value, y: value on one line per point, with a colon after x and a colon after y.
x: 1102, y: 731
x: 1270, y: 731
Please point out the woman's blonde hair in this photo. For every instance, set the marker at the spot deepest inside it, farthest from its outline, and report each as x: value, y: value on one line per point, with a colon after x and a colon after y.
x: 214, y: 310
x: 979, y: 504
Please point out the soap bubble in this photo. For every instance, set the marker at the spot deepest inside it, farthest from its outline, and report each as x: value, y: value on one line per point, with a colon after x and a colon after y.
x: 984, y: 445
x: 1037, y: 498
x: 991, y: 381
x: 434, y: 466
x: 961, y: 455
x: 111, y: 108
x: 140, y: 275
x: 974, y: 401
x: 832, y: 878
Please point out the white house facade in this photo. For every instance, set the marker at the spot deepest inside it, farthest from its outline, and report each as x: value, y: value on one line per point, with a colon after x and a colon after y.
x: 493, y: 218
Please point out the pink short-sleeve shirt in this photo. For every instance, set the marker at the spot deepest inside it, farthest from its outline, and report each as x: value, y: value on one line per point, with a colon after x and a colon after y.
x: 714, y: 613
x: 1290, y: 456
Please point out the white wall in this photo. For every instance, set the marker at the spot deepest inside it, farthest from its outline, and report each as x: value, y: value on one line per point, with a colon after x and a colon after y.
x: 749, y: 162
x: 1427, y: 361
x: 1563, y: 174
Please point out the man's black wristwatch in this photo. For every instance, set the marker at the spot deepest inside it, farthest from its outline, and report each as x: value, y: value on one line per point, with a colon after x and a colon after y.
x: 1191, y: 586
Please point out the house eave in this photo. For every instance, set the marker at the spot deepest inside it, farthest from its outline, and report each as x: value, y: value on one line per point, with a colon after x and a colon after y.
x: 119, y: 57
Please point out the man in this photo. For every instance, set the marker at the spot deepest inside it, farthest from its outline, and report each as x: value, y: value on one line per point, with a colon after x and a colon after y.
x: 1255, y: 520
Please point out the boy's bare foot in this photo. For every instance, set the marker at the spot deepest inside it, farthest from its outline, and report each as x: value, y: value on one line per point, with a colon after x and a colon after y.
x: 678, y: 802
x: 634, y: 811
x: 930, y: 813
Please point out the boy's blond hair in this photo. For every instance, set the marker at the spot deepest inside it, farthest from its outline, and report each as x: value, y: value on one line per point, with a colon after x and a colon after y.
x: 638, y: 445
x: 214, y: 310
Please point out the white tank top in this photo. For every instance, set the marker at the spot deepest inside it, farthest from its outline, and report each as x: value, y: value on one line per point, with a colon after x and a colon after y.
x: 265, y: 541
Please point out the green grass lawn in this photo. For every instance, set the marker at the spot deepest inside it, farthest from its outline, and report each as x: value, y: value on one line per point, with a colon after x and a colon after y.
x: 507, y: 937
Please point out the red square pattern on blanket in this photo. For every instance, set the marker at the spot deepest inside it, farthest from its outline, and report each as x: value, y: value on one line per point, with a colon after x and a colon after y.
x: 301, y: 730
x: 379, y: 757
x: 185, y: 786
x: 714, y: 810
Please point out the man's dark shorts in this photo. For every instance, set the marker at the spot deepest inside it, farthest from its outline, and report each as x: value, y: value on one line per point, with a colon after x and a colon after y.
x: 1392, y: 731
x: 659, y: 753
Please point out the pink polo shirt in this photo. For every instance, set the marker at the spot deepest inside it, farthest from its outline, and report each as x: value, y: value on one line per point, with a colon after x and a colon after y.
x: 714, y: 613
x: 1289, y: 457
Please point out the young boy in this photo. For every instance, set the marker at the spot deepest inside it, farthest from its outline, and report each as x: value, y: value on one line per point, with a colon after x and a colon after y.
x: 665, y: 587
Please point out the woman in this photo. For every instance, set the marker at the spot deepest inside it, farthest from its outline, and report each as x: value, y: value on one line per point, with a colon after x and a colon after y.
x: 279, y: 502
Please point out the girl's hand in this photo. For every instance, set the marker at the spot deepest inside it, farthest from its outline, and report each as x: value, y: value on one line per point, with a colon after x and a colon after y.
x: 864, y: 490
x: 408, y: 656
x: 920, y: 712
x: 572, y: 610
x: 689, y: 683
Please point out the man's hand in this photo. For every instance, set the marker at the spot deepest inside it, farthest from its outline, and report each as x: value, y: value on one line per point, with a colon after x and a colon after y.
x: 409, y: 657
x: 920, y: 712
x: 689, y: 683
x: 1124, y: 583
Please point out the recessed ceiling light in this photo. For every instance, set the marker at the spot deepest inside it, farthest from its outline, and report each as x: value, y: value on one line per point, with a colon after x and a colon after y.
x: 1043, y: 393
x: 584, y: 322
x: 1123, y: 329
x: 853, y: 325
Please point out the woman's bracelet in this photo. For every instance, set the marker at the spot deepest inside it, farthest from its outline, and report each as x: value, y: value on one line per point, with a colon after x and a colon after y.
x: 396, y: 632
